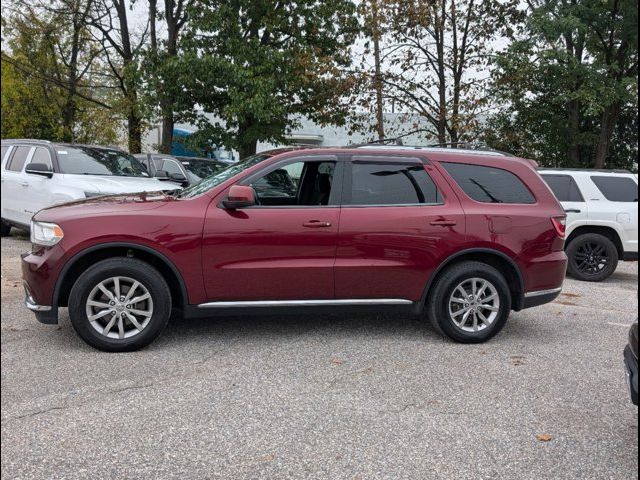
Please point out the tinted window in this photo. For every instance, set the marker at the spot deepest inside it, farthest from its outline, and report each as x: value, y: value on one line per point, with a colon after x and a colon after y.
x: 617, y: 189
x: 296, y: 184
x: 564, y: 188
x: 99, y: 161
x: 488, y: 184
x: 41, y: 155
x: 18, y: 159
x: 391, y: 184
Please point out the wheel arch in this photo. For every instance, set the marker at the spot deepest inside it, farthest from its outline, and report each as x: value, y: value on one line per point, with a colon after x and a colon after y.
x: 499, y: 260
x: 607, y: 231
x: 80, y: 261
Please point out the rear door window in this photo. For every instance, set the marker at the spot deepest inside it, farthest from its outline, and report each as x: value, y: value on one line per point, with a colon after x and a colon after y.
x: 18, y: 159
x: 617, y: 189
x: 564, y: 187
x: 488, y: 184
x: 404, y: 181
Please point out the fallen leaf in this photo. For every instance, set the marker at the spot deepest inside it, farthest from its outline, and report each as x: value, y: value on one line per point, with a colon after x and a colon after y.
x: 337, y: 361
x: 543, y: 437
x: 267, y: 458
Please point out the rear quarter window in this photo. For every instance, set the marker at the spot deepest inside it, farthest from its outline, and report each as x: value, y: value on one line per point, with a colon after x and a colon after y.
x: 617, y: 189
x: 489, y: 184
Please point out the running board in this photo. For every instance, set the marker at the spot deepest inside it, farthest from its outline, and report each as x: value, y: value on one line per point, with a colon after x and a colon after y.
x: 308, y: 303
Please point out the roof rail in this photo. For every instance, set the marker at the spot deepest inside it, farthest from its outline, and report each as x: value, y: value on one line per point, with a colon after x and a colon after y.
x: 25, y: 140
x: 397, y: 140
x: 587, y: 170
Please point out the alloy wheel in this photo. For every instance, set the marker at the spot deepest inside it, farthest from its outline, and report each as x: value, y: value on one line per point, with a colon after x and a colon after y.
x: 591, y: 258
x: 474, y: 304
x: 119, y: 307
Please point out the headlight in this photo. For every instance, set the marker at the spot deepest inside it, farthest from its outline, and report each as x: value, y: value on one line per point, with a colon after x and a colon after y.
x: 45, y: 234
x: 93, y: 194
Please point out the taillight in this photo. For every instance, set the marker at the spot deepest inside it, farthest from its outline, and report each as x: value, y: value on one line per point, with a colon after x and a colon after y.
x: 560, y: 224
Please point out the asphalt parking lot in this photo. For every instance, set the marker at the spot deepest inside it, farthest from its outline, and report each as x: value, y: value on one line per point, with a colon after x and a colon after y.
x: 324, y: 396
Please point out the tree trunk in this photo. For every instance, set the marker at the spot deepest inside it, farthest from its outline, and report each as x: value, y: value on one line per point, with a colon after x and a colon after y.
x: 573, y: 110
x: 608, y: 121
x: 248, y: 149
x: 167, y: 131
x: 68, y: 116
x: 378, y: 73
x: 134, y: 131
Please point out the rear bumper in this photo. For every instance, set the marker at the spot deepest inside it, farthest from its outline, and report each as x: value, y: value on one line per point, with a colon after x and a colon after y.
x: 540, y: 297
x: 631, y: 367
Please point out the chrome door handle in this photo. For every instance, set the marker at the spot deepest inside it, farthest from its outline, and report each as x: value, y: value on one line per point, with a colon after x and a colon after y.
x: 316, y: 224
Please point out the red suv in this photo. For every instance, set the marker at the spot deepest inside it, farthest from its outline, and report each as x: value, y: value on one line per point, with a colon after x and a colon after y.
x: 461, y: 237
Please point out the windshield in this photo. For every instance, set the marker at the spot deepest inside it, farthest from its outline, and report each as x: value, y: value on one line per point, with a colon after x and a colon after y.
x: 222, y: 175
x: 80, y: 160
x: 202, y: 168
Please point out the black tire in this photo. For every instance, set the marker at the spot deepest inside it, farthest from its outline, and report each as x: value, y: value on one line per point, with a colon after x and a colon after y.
x: 149, y: 278
x: 438, y: 310
x: 592, y: 257
x: 5, y: 229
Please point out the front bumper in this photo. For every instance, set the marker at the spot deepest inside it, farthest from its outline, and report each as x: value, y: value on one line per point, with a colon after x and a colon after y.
x: 39, y: 278
x: 631, y: 371
x: 44, y: 313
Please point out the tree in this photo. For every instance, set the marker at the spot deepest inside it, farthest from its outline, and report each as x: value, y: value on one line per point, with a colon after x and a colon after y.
x: 568, y: 83
x: 258, y: 65
x: 46, y: 76
x: 122, y: 52
x: 162, y: 67
x: 437, y: 54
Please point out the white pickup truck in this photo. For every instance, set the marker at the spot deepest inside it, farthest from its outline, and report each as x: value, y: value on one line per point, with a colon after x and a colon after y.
x: 602, y: 218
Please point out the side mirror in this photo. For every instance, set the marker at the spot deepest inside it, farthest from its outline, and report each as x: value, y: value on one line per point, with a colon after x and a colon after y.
x: 177, y: 177
x: 39, y: 169
x: 239, y: 197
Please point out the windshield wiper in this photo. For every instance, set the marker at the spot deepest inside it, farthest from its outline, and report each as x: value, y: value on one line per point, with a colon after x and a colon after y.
x: 486, y: 191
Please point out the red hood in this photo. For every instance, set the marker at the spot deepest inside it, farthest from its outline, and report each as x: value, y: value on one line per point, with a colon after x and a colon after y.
x: 104, y: 205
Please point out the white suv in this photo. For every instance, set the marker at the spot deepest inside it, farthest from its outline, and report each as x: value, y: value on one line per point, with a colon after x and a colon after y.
x: 602, y: 218
x: 38, y: 174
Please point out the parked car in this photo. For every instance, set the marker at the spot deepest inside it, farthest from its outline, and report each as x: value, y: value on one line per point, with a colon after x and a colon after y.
x: 166, y: 168
x: 602, y: 219
x: 459, y: 237
x: 38, y: 174
x: 631, y: 363
x: 200, y: 167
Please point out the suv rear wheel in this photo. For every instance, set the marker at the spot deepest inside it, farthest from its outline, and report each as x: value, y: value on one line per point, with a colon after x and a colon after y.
x: 119, y: 304
x: 470, y: 302
x: 592, y: 257
x: 5, y: 229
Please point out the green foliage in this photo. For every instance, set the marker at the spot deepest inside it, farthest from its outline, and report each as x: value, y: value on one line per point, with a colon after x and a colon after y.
x: 570, y: 85
x: 256, y: 65
x: 35, y: 91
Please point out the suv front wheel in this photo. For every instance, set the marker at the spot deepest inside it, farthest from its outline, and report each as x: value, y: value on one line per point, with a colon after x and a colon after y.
x: 470, y: 302
x: 119, y: 304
